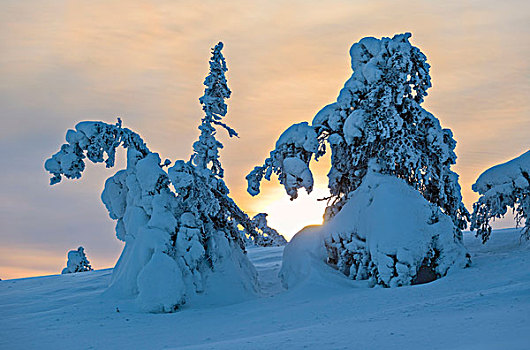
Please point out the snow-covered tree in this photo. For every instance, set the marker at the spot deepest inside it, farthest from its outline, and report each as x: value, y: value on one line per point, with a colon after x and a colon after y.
x: 502, y: 186
x: 77, y: 262
x: 179, y: 225
x: 266, y: 236
x: 376, y: 125
x: 377, y: 121
x: 213, y: 103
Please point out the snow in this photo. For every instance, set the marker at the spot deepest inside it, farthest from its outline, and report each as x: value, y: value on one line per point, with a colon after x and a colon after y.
x: 503, y: 186
x: 161, y: 285
x: 299, y: 135
x: 386, y: 230
x: 149, y: 172
x: 505, y: 174
x: 297, y: 175
x: 353, y: 126
x: 482, y: 307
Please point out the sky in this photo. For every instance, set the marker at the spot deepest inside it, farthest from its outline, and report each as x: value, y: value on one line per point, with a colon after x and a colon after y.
x: 62, y: 62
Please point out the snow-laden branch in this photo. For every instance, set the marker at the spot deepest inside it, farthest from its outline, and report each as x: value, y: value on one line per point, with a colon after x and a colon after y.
x: 501, y: 187
x: 96, y: 141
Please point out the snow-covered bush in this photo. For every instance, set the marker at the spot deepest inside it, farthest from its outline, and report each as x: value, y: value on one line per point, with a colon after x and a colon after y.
x: 77, y: 262
x: 179, y: 225
x: 386, y: 233
x: 376, y: 125
x: 266, y: 236
x: 502, y: 186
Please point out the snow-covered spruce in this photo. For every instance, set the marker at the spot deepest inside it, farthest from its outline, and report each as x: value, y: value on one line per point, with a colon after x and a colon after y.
x: 502, y: 186
x: 376, y: 125
x: 181, y: 241
x: 77, y: 262
x: 266, y: 236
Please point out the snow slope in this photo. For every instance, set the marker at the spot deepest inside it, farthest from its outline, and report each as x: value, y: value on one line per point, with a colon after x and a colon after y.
x: 486, y: 306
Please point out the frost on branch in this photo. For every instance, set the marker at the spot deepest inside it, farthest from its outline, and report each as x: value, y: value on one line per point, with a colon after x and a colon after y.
x: 77, y: 262
x: 377, y: 125
x: 502, y: 186
x: 180, y: 227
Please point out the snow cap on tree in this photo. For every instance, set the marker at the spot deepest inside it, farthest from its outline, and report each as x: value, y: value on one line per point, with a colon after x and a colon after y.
x: 377, y: 122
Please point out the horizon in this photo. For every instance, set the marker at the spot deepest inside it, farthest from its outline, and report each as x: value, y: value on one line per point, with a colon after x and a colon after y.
x: 65, y: 64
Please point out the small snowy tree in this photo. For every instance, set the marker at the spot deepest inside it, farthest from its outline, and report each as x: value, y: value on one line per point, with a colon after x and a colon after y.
x: 179, y: 225
x: 502, y: 186
x: 77, y: 262
x: 266, y: 236
x: 376, y: 125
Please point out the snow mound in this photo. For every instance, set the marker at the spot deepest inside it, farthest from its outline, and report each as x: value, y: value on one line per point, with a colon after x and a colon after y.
x: 161, y: 285
x: 386, y: 233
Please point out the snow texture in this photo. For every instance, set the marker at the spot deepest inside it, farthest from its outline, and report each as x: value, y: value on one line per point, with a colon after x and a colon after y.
x: 77, y: 262
x: 485, y: 307
x: 502, y: 186
x: 386, y: 233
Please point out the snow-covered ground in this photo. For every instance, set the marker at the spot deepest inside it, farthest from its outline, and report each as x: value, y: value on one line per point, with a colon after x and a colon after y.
x: 486, y: 306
